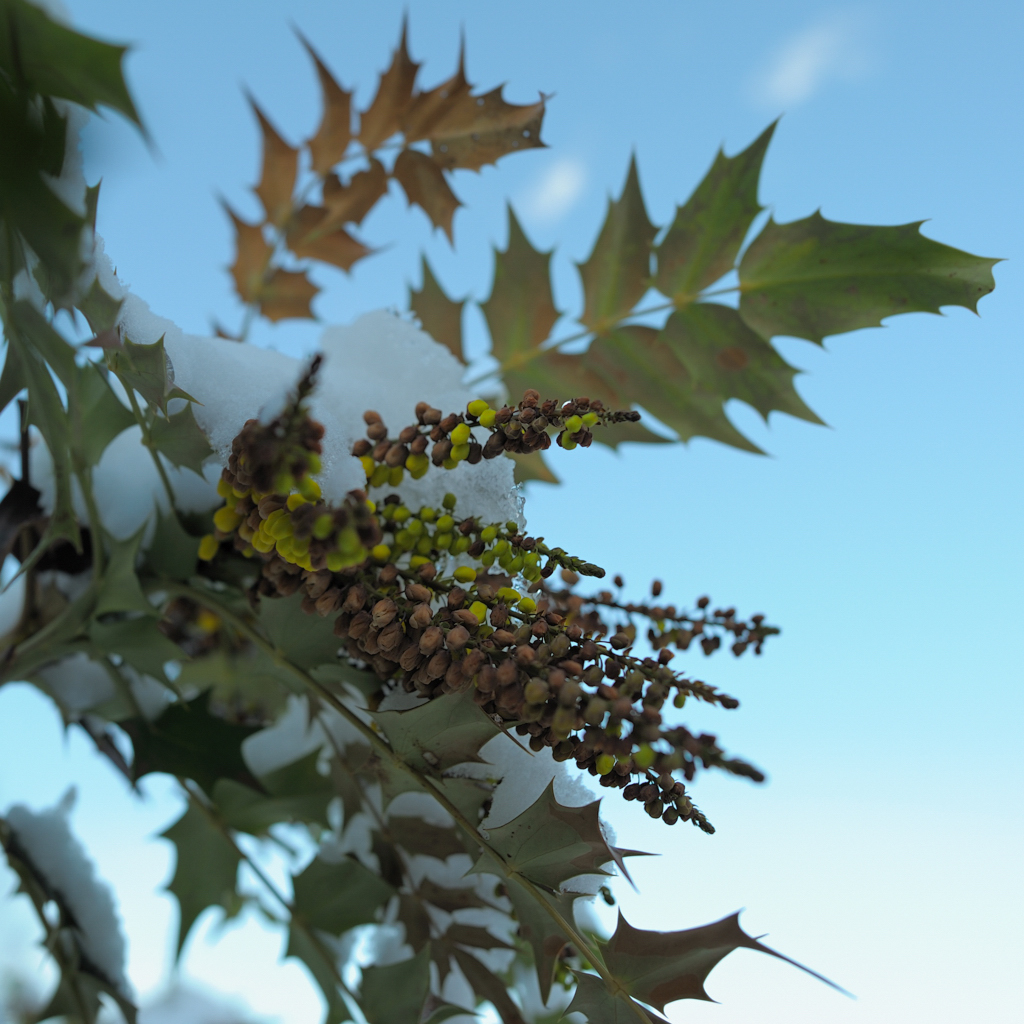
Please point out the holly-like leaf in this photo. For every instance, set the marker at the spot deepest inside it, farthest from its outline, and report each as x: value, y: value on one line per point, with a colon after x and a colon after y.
x: 139, y: 641
x: 206, y: 872
x: 350, y: 203
x: 395, y: 994
x: 312, y: 235
x: 187, y: 740
x: 447, y: 731
x: 246, y: 680
x: 388, y: 108
x: 488, y: 987
x: 425, y: 186
x: 320, y: 962
x: 661, y: 967
x: 440, y: 316
x: 520, y: 311
x: 287, y: 294
x: 449, y: 899
x: 705, y: 238
x: 550, y: 843
x: 593, y: 999
x: 252, y: 258
x: 480, y: 130
x: 172, y: 552
x: 280, y: 166
x: 146, y: 369
x: 427, y: 108
x: 725, y: 358
x: 539, y: 928
x: 180, y: 438
x: 336, y: 897
x: 815, y: 277
x: 99, y: 308
x: 51, y: 59
x: 306, y: 640
x: 12, y: 380
x: 617, y: 272
x: 97, y: 417
x: 120, y: 590
x: 420, y: 837
x: 33, y: 326
x: 333, y: 135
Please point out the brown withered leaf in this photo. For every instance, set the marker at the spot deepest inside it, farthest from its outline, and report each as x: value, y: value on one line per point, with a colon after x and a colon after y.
x: 425, y: 185
x: 287, y: 294
x: 310, y: 235
x: 481, y: 129
x: 251, y: 259
x: 333, y: 135
x: 388, y: 108
x: 440, y: 316
x: 280, y: 166
x: 349, y: 203
x: 428, y: 108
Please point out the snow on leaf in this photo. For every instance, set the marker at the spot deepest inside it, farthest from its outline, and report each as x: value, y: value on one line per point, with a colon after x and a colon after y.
x: 520, y: 311
x: 336, y: 897
x: 617, y: 272
x: 147, y: 370
x: 180, y: 439
x: 280, y: 167
x: 550, y: 843
x: 704, y: 239
x: 312, y: 235
x: 436, y: 736
x: 440, y: 316
x: 333, y: 135
x: 388, y: 108
x: 425, y: 186
x: 206, y: 871
x: 814, y: 277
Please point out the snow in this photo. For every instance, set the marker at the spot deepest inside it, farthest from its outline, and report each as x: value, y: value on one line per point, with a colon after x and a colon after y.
x: 57, y: 855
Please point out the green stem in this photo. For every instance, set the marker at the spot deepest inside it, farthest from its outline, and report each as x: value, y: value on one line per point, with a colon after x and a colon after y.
x: 147, y: 440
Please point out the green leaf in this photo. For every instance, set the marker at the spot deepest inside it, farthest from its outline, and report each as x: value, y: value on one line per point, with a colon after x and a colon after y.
x: 395, y: 994
x: 618, y: 271
x: 206, y: 871
x: 97, y: 306
x: 550, y: 843
x: 661, y: 967
x: 539, y: 928
x: 601, y: 1007
x: 420, y: 837
x: 336, y: 897
x: 440, y: 316
x: 305, y: 640
x: 187, y: 740
x: 243, y: 679
x: 320, y: 962
x: 146, y: 369
x: 120, y: 590
x: 12, y: 381
x: 488, y: 987
x: 521, y: 309
x: 33, y: 326
x: 705, y: 238
x: 97, y: 417
x: 181, y: 440
x: 139, y: 641
x: 815, y: 277
x: 48, y: 58
x: 436, y: 736
x: 298, y: 793
x: 172, y: 552
x: 726, y: 359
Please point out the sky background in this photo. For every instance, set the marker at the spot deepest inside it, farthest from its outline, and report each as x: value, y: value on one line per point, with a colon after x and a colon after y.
x: 884, y: 850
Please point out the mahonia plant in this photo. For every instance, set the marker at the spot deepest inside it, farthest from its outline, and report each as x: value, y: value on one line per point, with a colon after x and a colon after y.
x: 334, y: 633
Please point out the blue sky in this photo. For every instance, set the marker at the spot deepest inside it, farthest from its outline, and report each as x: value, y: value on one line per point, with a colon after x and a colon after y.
x: 885, y: 848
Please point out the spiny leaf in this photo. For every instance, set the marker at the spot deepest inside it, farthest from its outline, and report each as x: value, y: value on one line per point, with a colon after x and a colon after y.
x: 252, y: 258
x: 427, y: 108
x: 447, y: 731
x: 550, y: 843
x: 120, y: 590
x: 33, y: 326
x: 287, y: 294
x: 440, y: 316
x: 539, y: 928
x: 96, y: 415
x: 320, y: 962
x: 815, y: 277
x: 449, y: 899
x: 393, y: 97
x: 396, y: 994
x: 488, y: 987
x: 312, y: 235
x: 420, y: 837
x: 705, y: 238
x: 53, y: 60
x: 172, y: 552
x: 147, y: 370
x: 139, y: 642
x: 181, y: 440
x: 617, y: 272
x: 724, y: 357
x: 521, y: 309
x: 331, y: 140
x: 661, y: 967
x: 480, y: 130
x: 350, y: 203
x: 280, y: 166
x: 336, y: 897
x: 601, y: 1007
x: 206, y: 871
x: 187, y: 740
x: 99, y: 308
x: 532, y: 467
x: 425, y: 185
x: 247, y: 680
x: 306, y: 640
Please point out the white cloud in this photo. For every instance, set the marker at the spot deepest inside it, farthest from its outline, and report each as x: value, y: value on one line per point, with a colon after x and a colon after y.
x: 833, y: 48
x: 556, y: 190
